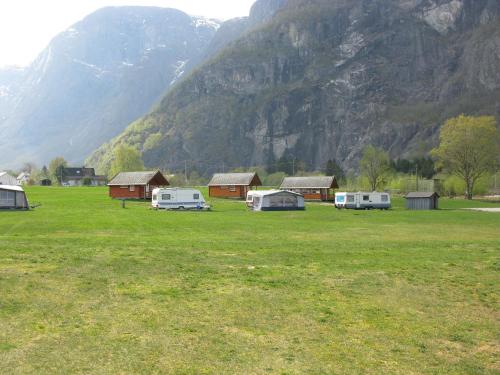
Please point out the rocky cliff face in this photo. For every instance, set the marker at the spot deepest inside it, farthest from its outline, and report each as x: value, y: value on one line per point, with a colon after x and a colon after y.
x: 322, y: 79
x: 94, y: 79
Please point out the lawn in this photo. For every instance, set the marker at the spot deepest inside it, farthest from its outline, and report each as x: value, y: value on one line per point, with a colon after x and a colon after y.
x: 89, y: 287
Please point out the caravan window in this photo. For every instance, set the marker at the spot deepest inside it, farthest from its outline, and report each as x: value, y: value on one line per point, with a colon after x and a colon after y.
x: 340, y: 199
x: 350, y: 198
x: 165, y: 197
x: 366, y: 197
x: 385, y: 198
x: 155, y: 197
x: 196, y: 196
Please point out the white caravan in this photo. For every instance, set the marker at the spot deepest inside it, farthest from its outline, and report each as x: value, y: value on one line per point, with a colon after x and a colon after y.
x: 363, y: 200
x: 178, y: 199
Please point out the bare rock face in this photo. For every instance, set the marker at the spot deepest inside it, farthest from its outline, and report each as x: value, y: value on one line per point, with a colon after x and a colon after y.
x: 322, y: 79
x: 94, y: 79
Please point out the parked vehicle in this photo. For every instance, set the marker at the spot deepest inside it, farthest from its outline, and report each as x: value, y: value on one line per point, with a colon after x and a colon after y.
x: 178, y: 199
x: 274, y: 200
x: 363, y: 200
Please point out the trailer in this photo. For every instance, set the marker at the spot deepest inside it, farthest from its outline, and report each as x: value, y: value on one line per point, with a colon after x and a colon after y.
x: 363, y: 200
x: 274, y: 200
x: 178, y: 199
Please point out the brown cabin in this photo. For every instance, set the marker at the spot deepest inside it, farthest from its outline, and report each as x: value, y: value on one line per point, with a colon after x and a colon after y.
x: 312, y: 188
x: 135, y: 185
x: 232, y: 185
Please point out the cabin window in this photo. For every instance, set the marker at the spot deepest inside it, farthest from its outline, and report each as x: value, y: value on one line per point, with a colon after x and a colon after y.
x: 166, y: 197
x: 350, y: 198
x: 385, y: 198
x: 232, y: 188
x: 196, y: 196
x: 123, y: 187
x: 223, y: 187
x: 132, y: 188
x: 366, y: 197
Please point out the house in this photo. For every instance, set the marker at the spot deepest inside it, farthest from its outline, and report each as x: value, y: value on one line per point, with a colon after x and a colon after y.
x: 136, y: 185
x: 232, y: 185
x: 82, y: 176
x: 23, y: 178
x: 422, y: 201
x: 7, y: 179
x: 312, y: 188
x: 275, y: 200
x: 13, y: 198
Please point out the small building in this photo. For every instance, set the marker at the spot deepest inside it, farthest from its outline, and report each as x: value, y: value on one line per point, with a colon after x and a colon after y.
x: 136, y: 185
x: 275, y: 200
x: 13, y: 198
x: 23, y: 178
x: 46, y: 182
x: 312, y: 188
x: 82, y: 176
x: 422, y: 201
x: 7, y: 179
x: 232, y: 185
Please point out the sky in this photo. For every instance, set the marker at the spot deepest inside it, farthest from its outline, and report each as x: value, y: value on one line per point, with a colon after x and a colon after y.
x: 27, y: 26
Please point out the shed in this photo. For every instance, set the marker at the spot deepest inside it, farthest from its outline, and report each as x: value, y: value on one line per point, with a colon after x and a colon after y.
x: 312, y: 188
x: 277, y: 200
x: 46, y: 182
x: 136, y: 185
x: 7, y: 179
x: 232, y: 185
x: 13, y: 198
x: 422, y: 201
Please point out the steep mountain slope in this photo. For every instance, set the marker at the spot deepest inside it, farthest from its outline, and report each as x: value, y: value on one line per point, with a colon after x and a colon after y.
x: 95, y: 78
x: 322, y: 79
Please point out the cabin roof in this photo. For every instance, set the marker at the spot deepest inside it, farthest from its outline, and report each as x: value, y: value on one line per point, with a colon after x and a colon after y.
x: 421, y: 194
x: 313, y: 182
x: 246, y: 179
x: 137, y: 178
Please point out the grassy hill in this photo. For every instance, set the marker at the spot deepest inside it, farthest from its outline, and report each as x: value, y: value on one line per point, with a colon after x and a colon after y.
x: 89, y: 287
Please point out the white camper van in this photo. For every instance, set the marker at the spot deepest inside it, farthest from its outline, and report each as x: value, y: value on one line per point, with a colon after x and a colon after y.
x: 363, y: 200
x: 178, y: 199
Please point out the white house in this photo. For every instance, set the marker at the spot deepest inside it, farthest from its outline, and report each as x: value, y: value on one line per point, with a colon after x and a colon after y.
x: 23, y: 178
x: 7, y: 179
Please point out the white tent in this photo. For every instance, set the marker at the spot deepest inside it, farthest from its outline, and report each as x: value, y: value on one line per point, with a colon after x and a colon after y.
x: 276, y: 200
x: 7, y: 179
x: 12, y: 198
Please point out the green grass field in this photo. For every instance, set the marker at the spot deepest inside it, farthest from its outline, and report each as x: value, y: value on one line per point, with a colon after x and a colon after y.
x: 88, y: 287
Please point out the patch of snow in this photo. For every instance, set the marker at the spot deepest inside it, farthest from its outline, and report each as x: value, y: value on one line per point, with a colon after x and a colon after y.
x: 4, y: 91
x: 91, y: 66
x: 442, y: 17
x: 72, y: 32
x: 205, y: 22
x: 352, y: 45
x: 179, y: 70
x: 126, y: 63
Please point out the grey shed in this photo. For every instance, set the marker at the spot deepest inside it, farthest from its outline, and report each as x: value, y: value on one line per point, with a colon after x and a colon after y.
x: 422, y: 201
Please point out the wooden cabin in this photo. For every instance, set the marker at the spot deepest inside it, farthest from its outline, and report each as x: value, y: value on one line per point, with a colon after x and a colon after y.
x: 136, y: 185
x: 422, y: 201
x: 312, y: 188
x: 233, y: 185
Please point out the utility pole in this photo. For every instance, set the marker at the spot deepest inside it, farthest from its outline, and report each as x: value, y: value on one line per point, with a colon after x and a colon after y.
x: 293, y: 166
x: 416, y: 176
x: 185, y: 172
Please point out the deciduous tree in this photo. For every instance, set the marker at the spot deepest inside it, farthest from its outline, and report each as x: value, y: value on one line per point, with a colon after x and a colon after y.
x: 374, y: 165
x: 127, y: 159
x: 468, y: 148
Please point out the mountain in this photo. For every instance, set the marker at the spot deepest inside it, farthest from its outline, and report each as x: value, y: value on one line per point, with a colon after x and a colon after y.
x: 94, y: 79
x: 321, y: 79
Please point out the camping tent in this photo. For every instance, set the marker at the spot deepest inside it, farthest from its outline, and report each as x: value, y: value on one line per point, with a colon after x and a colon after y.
x: 13, y: 198
x: 277, y: 200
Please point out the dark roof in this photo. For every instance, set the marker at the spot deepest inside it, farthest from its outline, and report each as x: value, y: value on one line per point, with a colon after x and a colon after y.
x: 79, y: 172
x: 421, y: 194
x: 223, y: 179
x: 137, y: 178
x: 313, y: 182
